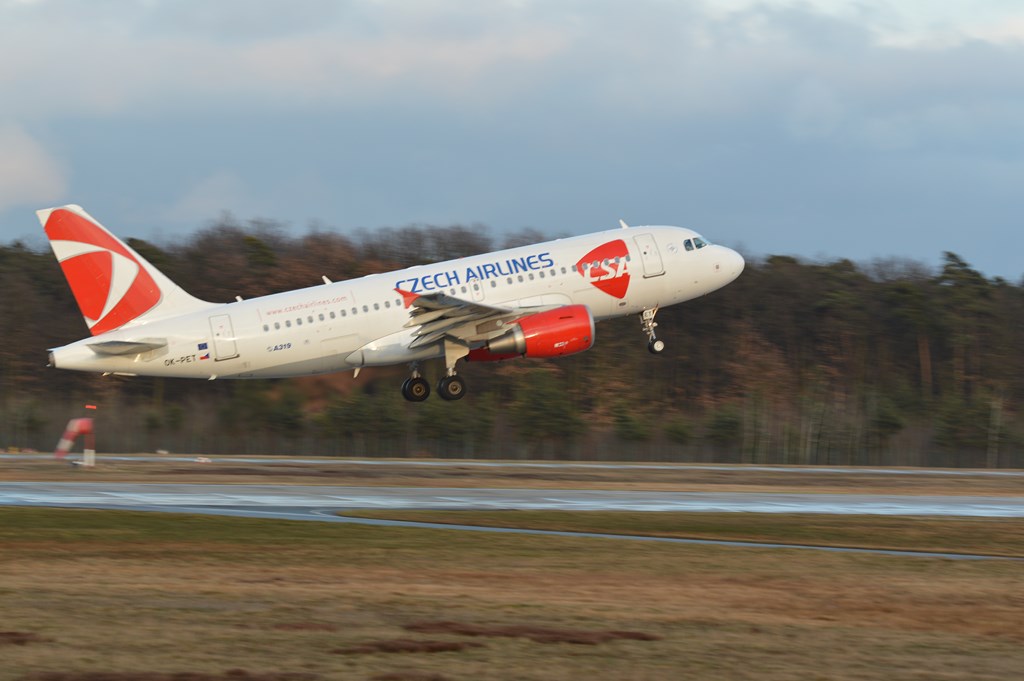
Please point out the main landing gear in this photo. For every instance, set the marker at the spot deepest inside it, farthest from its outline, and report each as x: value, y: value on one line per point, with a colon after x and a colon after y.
x: 654, y: 344
x: 450, y: 387
x: 416, y: 388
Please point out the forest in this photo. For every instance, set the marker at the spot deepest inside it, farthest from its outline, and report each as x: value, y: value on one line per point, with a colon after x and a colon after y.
x: 888, y: 363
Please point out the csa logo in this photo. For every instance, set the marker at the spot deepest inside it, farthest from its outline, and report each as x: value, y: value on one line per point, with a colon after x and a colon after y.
x: 111, y: 286
x: 606, y: 268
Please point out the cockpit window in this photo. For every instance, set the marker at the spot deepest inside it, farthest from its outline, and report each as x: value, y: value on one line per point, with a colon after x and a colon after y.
x: 700, y: 242
x: 688, y: 244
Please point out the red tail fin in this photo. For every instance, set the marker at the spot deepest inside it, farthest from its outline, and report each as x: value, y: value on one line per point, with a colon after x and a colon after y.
x: 112, y: 284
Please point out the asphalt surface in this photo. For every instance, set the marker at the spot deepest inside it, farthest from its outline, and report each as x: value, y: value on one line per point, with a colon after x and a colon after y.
x: 456, y: 463
x: 325, y: 503
x: 266, y: 498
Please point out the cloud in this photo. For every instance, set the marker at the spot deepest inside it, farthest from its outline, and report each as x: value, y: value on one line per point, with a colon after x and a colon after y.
x: 732, y: 113
x: 28, y: 173
x: 214, y: 195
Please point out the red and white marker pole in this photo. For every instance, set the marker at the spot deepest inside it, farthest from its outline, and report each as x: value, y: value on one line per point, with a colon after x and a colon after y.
x: 76, y: 427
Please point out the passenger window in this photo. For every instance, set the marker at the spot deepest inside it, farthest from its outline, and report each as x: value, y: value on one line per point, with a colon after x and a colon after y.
x: 343, y: 313
x: 277, y: 326
x: 494, y: 284
x: 310, y: 319
x: 298, y: 321
x: 321, y: 316
x: 266, y: 327
x: 387, y: 303
x: 288, y: 323
x: 332, y: 314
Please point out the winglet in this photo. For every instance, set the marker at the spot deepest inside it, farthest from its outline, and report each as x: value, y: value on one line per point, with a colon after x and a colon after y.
x: 408, y: 297
x: 623, y: 224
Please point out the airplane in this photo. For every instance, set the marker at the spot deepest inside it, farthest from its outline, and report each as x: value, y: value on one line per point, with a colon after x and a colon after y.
x: 533, y: 301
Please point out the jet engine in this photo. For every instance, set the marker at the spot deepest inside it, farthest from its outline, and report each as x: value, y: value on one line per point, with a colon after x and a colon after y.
x: 562, y: 331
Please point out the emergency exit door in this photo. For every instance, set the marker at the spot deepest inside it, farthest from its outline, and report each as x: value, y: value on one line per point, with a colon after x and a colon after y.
x: 224, y: 346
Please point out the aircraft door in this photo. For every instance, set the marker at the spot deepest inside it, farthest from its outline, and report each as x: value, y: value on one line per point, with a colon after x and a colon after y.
x: 649, y: 255
x: 477, y: 287
x: 224, y: 346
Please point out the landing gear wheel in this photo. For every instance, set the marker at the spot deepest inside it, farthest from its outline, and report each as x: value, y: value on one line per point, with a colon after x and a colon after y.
x: 451, y: 387
x: 647, y: 323
x: 416, y: 389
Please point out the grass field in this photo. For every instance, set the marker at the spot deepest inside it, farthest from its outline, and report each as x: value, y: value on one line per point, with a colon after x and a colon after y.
x: 983, y: 536
x: 117, y: 596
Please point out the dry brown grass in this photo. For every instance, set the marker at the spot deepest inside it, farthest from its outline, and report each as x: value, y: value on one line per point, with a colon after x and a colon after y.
x: 19, y: 638
x: 405, y: 645
x: 157, y: 594
x: 409, y: 676
x: 230, y: 675
x: 532, y: 632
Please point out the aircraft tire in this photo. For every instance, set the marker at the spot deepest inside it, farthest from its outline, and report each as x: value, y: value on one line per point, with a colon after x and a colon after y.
x: 451, y: 388
x: 656, y: 346
x: 416, y: 389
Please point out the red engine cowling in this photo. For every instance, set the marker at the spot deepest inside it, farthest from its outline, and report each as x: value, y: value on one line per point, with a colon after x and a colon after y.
x: 562, y: 331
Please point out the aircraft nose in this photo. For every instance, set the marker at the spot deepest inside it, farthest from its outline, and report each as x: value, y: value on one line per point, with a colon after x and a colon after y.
x: 730, y: 263
x: 735, y: 263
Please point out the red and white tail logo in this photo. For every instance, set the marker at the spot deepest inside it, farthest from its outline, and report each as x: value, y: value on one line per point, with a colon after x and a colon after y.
x: 110, y: 281
x: 606, y: 268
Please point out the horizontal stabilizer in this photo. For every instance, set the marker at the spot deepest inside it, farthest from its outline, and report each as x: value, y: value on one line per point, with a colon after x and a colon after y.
x: 119, y: 347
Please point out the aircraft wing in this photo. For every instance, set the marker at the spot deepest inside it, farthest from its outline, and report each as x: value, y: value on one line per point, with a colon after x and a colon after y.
x: 437, y: 315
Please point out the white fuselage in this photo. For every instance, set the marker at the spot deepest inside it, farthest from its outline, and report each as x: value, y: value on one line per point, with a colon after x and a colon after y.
x: 362, y: 322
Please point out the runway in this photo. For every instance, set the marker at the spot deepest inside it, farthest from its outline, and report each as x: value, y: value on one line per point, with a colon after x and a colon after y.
x: 267, y: 498
x: 325, y: 503
x: 476, y: 463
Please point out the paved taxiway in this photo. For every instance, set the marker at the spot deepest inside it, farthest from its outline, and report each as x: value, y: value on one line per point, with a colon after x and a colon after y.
x: 324, y: 503
x: 459, y: 463
x: 266, y: 498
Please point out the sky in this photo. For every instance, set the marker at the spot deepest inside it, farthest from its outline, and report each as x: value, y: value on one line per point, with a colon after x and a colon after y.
x: 871, y: 129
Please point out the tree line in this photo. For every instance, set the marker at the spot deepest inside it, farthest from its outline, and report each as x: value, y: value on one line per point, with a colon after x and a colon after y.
x: 887, y: 363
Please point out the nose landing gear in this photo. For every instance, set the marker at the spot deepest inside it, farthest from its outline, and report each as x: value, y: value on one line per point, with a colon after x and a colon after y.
x: 654, y: 344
